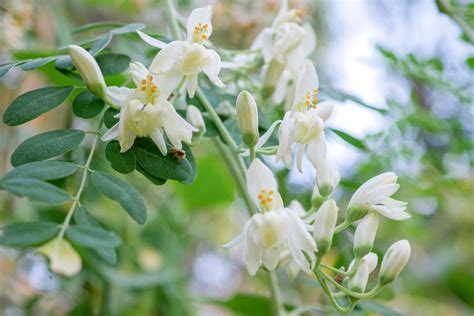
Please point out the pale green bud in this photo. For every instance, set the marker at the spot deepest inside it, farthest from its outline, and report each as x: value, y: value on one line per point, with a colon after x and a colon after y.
x: 324, y: 224
x: 365, y: 234
x: 247, y: 116
x: 63, y: 259
x: 89, y: 70
x: 394, y: 261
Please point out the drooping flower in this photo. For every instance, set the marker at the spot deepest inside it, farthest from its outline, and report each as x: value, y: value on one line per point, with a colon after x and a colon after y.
x: 146, y: 112
x: 359, y: 280
x: 394, y: 260
x: 285, y: 45
x: 303, y: 126
x: 375, y: 194
x: 63, y: 259
x: 188, y: 58
x: 275, y: 228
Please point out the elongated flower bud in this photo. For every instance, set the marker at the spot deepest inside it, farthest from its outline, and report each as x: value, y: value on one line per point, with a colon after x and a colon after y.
x: 62, y: 257
x: 327, y: 177
x: 324, y: 224
x: 89, y: 70
x: 365, y: 234
x: 194, y: 117
x: 394, y: 261
x: 358, y: 281
x: 247, y: 115
x: 272, y: 76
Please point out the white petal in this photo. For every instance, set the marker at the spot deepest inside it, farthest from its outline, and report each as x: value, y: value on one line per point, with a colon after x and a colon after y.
x: 308, y: 45
x: 270, y: 258
x: 139, y: 72
x: 200, y: 15
x: 324, y: 109
x: 379, y: 194
x: 298, y: 234
x: 316, y: 151
x: 234, y: 242
x: 167, y: 57
x: 264, y: 138
x: 212, y: 67
x: 117, y: 96
x: 152, y: 41
x: 259, y: 176
x: 285, y: 140
x: 168, y: 81
x: 281, y: 87
x: 396, y: 215
x: 112, y: 133
x: 299, y: 157
x: 307, y: 81
x: 371, y: 259
x: 384, y: 178
x: 191, y: 85
x: 264, y: 42
x: 296, y: 207
x: 251, y: 250
x: 159, y: 140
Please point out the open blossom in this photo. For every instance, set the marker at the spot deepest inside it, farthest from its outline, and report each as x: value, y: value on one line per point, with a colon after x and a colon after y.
x: 276, y: 229
x: 303, y: 126
x: 376, y: 194
x: 188, y: 58
x: 146, y: 112
x: 285, y: 45
x: 63, y: 259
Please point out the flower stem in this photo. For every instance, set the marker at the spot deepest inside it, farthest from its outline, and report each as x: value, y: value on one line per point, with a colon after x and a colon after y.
x: 174, y: 20
x: 367, y: 295
x: 76, y: 198
x: 339, y: 228
x: 276, y: 295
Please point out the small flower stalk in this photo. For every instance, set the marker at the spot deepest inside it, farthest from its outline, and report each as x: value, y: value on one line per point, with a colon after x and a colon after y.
x: 89, y: 70
x: 394, y: 260
x: 247, y: 117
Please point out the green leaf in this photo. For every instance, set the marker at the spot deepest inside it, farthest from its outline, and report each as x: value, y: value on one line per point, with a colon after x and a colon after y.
x: 5, y: 68
x: 63, y: 62
x: 100, y: 44
x: 192, y: 162
x: 28, y: 234
x: 83, y: 218
x: 120, y: 191
x: 95, y: 25
x: 46, y: 145
x: 36, y: 63
x: 342, y: 96
x: 92, y: 237
x: 152, y: 179
x: 112, y: 64
x: 36, y: 189
x: 357, y: 143
x: 128, y: 28
x: 245, y: 304
x: 87, y: 105
x: 109, y: 119
x: 469, y: 62
x: 122, y: 162
x: 32, y: 104
x: 234, y: 130
x: 43, y: 170
x: 153, y: 162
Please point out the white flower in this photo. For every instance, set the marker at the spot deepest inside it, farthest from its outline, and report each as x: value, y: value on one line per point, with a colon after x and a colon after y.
x: 194, y: 117
x: 376, y: 194
x: 247, y: 117
x: 285, y: 45
x: 358, y: 281
x: 63, y: 259
x: 327, y: 175
x: 146, y: 112
x: 188, y: 58
x: 364, y: 235
x: 324, y: 225
x: 394, y: 261
x: 89, y: 70
x: 269, y: 233
x: 303, y: 126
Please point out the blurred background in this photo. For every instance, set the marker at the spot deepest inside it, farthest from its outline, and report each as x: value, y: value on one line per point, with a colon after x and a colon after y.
x: 402, y: 75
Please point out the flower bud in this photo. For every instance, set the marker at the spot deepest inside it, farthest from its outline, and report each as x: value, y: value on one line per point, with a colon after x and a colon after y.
x: 358, y: 281
x: 365, y: 234
x: 247, y: 116
x: 394, y: 261
x: 327, y: 177
x: 62, y: 257
x: 271, y: 78
x: 194, y: 116
x: 89, y: 70
x: 324, y: 224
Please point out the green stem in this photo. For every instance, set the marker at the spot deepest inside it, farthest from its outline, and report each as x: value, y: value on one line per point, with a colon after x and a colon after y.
x: 367, y: 295
x: 339, y: 228
x: 173, y: 20
x: 350, y: 273
x: 276, y: 295
x: 239, y: 180
x: 76, y: 198
x: 333, y: 300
